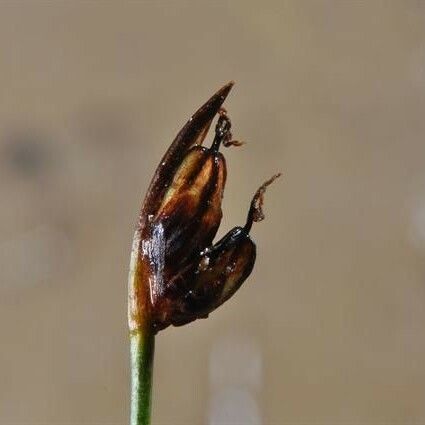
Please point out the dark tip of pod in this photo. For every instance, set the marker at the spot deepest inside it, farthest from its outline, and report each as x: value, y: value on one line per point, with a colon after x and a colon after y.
x: 255, y: 212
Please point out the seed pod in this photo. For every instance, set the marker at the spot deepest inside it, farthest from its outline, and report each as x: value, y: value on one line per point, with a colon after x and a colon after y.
x: 147, y: 275
x: 216, y: 275
x: 190, y: 212
x: 176, y: 274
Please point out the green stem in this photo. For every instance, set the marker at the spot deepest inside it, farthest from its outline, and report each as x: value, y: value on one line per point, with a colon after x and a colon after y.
x: 142, y: 344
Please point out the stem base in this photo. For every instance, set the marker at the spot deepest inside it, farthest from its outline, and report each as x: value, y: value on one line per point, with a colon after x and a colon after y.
x: 142, y: 346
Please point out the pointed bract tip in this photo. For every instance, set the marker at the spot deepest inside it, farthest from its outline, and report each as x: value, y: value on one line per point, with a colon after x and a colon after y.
x: 225, y: 90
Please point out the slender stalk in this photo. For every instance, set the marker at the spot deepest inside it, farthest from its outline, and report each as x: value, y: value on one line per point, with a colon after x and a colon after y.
x: 142, y: 345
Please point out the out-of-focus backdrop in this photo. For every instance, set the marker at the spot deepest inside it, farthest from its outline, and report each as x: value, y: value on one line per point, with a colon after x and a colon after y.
x: 329, y: 329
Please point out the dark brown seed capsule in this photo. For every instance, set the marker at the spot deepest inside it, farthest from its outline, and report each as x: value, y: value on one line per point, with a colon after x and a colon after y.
x: 219, y: 273
x: 146, y: 279
x: 215, y: 275
x: 190, y: 212
x: 176, y: 274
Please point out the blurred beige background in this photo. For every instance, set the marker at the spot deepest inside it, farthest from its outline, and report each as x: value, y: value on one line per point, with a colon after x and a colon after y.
x: 329, y: 329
